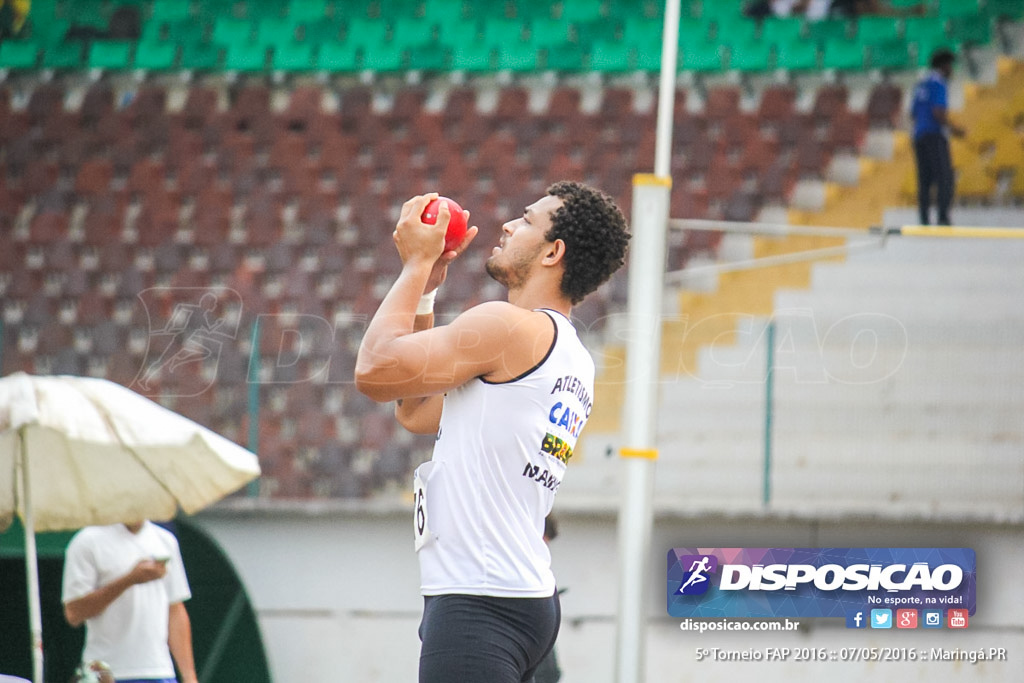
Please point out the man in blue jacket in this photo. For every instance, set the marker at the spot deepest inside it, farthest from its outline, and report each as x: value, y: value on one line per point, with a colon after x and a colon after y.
x: 931, y: 145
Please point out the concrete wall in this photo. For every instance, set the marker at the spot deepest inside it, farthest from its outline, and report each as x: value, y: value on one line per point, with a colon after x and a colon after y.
x: 336, y: 592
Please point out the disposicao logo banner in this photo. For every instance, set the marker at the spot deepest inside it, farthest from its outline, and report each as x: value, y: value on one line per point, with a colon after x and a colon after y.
x: 817, y: 582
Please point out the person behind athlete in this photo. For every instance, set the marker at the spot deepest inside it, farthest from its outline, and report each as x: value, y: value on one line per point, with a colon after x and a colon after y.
x: 506, y: 387
x: 932, y: 128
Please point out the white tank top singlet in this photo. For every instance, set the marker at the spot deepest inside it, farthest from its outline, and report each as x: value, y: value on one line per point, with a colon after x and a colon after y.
x: 501, y: 453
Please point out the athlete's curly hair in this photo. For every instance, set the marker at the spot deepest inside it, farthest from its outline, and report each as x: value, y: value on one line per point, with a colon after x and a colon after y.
x: 595, y: 234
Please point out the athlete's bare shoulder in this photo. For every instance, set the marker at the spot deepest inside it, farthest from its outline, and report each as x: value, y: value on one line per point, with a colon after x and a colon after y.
x: 517, y: 338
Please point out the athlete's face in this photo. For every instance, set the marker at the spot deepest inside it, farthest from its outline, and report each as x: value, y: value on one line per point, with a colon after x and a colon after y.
x: 522, y: 241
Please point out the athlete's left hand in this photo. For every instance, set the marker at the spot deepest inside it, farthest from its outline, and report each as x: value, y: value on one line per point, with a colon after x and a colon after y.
x: 440, y: 270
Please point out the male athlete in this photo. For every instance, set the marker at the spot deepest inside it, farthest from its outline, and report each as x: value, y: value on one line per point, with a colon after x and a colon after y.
x: 506, y: 387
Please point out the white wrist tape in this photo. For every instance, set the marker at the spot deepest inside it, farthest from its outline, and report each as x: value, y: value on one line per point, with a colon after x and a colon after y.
x: 426, y: 304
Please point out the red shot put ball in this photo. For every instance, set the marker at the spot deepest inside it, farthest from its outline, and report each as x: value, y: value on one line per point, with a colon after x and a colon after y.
x: 457, y: 226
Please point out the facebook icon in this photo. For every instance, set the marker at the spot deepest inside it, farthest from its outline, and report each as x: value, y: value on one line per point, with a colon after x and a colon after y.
x: 856, y: 619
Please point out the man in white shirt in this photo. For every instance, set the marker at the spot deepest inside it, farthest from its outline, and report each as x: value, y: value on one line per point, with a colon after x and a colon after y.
x: 127, y: 584
x: 507, y: 388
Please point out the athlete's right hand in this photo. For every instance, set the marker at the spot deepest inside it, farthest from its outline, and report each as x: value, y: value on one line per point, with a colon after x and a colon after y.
x: 440, y: 270
x: 418, y: 241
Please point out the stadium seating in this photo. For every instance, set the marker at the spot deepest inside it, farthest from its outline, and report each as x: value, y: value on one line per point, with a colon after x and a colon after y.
x: 280, y: 191
x: 302, y: 36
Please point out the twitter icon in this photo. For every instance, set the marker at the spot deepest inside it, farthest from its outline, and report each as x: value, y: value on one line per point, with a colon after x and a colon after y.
x: 881, y: 618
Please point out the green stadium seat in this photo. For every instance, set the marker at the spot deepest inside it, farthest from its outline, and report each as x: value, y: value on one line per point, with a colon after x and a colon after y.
x: 245, y: 57
x: 499, y: 31
x: 67, y: 55
x: 735, y: 28
x: 273, y: 31
x: 715, y: 11
x: 321, y: 31
x: 566, y: 57
x: 844, y: 55
x: 390, y: 9
x: 489, y: 10
x: 186, y: 31
x: 50, y: 31
x: 516, y: 57
x: 582, y: 11
x: 336, y: 56
x: 546, y: 31
x: 828, y: 30
x: 381, y: 57
x: 447, y: 10
x: 611, y: 56
x: 958, y: 8
x: 640, y: 32
x: 800, y: 55
x: 973, y: 30
x: 230, y: 31
x: 408, y: 32
x: 428, y: 57
x: 200, y: 56
x: 366, y: 31
x: 169, y: 10
x: 472, y: 56
x: 155, y: 30
x: 648, y: 57
x: 211, y: 10
x: 110, y: 54
x: 877, y: 29
x: 307, y: 10
x: 692, y: 30
x: 648, y: 9
x: 293, y: 56
x: 928, y: 29
x: 754, y: 55
x: 777, y: 31
x: 86, y: 13
x: 598, y: 30
x: 1005, y: 9
x: 18, y: 54
x: 700, y: 56
x: 154, y: 55
x: 889, y: 54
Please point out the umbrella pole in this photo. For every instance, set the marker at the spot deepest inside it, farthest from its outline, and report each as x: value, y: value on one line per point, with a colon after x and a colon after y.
x: 31, y: 564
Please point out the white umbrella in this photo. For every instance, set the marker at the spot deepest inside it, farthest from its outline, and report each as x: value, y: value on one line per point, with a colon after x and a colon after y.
x: 78, y: 451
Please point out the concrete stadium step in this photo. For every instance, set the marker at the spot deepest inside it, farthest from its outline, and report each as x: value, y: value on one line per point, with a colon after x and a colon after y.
x: 943, y: 251
x: 993, y: 421
x: 852, y: 364
x: 905, y: 306
x: 950, y: 389
x: 874, y: 278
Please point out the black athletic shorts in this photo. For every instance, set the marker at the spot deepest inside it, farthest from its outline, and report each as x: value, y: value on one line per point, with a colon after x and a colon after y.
x: 481, y: 639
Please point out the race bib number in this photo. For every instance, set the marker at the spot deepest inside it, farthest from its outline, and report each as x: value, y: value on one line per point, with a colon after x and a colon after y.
x: 420, y: 521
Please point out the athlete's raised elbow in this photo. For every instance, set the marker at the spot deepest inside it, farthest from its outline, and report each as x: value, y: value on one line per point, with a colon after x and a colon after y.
x: 370, y: 383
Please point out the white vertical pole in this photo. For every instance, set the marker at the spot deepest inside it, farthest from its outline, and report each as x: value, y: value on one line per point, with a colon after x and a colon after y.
x: 31, y: 561
x: 651, y: 194
x: 667, y: 90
